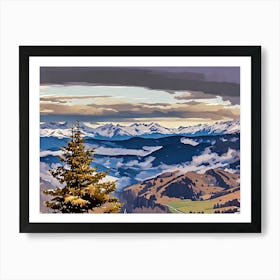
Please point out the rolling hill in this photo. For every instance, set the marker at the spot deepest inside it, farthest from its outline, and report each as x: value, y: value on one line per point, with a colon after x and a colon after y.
x: 190, y: 192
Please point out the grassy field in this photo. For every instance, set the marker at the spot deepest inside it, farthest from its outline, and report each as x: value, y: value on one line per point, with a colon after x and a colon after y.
x: 188, y: 205
x: 206, y: 206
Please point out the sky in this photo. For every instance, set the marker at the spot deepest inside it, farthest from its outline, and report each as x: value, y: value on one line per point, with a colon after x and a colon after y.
x: 170, y: 96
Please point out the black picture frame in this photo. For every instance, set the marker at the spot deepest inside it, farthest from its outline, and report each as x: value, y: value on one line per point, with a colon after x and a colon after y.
x: 254, y: 52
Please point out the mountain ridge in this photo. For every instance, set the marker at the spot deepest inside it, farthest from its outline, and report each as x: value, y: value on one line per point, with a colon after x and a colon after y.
x: 158, y: 193
x: 145, y: 130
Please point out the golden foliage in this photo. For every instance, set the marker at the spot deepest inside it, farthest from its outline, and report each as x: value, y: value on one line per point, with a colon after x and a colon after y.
x: 83, y: 191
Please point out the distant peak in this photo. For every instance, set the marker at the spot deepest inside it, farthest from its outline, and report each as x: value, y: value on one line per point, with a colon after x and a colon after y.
x: 109, y: 130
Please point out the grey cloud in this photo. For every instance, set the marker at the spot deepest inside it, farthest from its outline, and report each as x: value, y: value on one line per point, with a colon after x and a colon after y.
x: 234, y: 100
x: 192, y: 102
x: 159, y: 78
x: 194, y: 95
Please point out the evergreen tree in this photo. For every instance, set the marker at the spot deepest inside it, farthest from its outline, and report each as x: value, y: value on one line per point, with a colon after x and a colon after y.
x: 82, y: 191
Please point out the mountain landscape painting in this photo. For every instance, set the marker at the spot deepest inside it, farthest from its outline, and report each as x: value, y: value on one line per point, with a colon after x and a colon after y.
x: 140, y: 140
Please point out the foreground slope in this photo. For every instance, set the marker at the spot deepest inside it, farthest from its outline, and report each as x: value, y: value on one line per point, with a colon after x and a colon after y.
x: 214, y: 191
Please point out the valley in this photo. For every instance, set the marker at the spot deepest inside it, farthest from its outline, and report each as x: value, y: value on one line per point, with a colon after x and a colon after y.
x: 216, y: 191
x: 158, y: 171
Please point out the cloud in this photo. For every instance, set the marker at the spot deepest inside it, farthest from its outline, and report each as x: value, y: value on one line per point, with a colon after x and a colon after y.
x: 65, y: 99
x: 159, y: 78
x: 123, y: 182
x: 108, y: 178
x: 197, y: 95
x: 234, y: 100
x: 188, y: 141
x: 190, y: 95
x: 144, y: 168
x: 109, y: 162
x: 145, y: 110
x: 122, y: 151
x: 62, y: 109
x: 147, y: 163
x: 50, y: 153
x: 206, y: 161
x: 47, y: 111
x: 46, y: 175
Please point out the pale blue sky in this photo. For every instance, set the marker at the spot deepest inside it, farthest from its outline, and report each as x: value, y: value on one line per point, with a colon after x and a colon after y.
x: 127, y: 104
x: 118, y: 93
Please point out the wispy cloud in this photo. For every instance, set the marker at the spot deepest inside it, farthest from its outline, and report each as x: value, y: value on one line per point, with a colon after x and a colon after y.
x: 65, y: 99
x: 188, y: 141
x: 206, y: 161
x: 191, y: 95
x: 144, y: 110
x: 122, y: 151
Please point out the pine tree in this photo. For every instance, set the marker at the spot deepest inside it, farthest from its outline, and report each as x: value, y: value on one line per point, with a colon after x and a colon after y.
x: 82, y: 191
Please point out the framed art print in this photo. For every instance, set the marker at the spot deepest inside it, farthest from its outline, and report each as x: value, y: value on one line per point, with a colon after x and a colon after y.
x: 140, y: 138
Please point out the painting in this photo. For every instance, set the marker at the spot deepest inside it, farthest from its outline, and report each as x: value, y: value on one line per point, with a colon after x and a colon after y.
x: 129, y: 140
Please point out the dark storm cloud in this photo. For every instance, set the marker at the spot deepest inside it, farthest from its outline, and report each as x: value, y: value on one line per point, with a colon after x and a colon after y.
x: 222, y: 81
x: 234, y: 100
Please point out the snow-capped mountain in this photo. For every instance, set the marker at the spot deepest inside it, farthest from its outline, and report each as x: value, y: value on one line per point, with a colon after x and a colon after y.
x: 224, y: 127
x: 146, y: 130
x: 137, y: 129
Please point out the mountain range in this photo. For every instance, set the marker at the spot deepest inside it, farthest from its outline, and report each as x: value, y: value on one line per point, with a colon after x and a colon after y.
x: 145, y: 130
x: 136, y: 159
x: 189, y: 169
